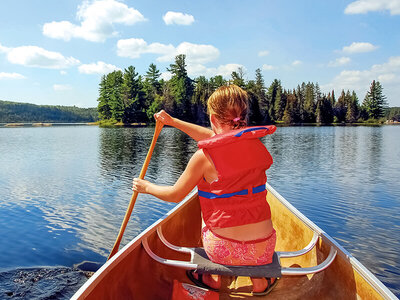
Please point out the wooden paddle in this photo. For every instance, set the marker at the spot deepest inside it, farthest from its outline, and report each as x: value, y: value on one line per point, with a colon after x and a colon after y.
x: 159, y: 126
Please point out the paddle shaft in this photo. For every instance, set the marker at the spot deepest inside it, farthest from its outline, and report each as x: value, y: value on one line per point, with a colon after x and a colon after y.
x: 157, y: 131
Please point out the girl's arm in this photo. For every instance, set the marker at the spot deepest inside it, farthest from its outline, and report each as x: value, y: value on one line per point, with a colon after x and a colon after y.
x: 184, y: 185
x: 196, y: 132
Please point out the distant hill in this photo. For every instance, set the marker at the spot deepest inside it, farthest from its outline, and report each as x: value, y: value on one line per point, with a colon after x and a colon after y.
x: 393, y: 113
x: 11, y: 112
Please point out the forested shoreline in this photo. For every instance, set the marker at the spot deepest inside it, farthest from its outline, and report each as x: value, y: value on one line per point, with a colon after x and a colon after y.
x: 127, y: 97
x: 12, y: 112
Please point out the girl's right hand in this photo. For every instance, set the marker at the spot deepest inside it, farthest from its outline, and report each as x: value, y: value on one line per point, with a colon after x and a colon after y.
x: 164, y: 117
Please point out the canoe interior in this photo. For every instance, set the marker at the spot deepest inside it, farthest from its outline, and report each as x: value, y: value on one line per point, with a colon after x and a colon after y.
x: 134, y: 275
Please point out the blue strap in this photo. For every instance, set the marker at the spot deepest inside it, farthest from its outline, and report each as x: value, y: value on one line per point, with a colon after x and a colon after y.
x: 259, y: 189
x: 239, y: 134
x: 255, y: 190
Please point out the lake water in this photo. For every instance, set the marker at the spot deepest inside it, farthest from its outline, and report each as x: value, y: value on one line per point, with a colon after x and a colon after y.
x: 64, y: 191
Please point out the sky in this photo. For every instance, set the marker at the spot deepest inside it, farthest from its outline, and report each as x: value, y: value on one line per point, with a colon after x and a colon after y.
x: 55, y: 52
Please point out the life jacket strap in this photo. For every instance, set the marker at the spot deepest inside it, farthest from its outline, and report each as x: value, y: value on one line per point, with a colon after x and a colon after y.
x: 239, y: 134
x: 254, y: 190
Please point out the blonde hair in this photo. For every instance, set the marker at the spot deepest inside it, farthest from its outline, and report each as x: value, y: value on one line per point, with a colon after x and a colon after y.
x: 230, y: 105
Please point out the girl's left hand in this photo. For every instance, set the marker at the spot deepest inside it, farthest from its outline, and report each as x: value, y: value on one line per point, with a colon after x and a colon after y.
x: 140, y: 185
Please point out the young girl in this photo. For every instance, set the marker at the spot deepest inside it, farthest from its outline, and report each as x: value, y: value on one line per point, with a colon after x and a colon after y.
x: 229, y: 171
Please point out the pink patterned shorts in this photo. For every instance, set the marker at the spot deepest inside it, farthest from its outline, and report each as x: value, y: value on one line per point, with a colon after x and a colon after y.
x: 237, y: 253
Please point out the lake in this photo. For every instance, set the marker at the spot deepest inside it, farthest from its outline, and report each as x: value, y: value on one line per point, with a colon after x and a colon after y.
x: 64, y: 191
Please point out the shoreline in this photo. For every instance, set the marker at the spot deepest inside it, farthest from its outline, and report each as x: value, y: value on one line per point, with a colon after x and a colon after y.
x: 50, y: 124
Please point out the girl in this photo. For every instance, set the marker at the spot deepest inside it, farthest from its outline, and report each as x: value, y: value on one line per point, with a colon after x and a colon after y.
x: 229, y: 171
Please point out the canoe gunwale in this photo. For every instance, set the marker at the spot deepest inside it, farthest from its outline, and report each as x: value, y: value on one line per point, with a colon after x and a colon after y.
x: 360, y: 268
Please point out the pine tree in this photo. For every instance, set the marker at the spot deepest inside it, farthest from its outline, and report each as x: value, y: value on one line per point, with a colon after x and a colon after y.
x: 352, y: 108
x: 340, y: 108
x: 280, y: 104
x: 216, y: 82
x: 202, y: 92
x: 374, y: 101
x: 291, y: 113
x: 103, y: 106
x: 238, y: 77
x: 114, y: 82
x: 271, y: 96
x: 152, y: 88
x: 133, y: 97
x: 309, y: 103
x: 182, y: 88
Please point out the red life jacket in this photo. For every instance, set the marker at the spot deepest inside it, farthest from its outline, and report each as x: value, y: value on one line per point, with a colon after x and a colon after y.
x: 238, y: 196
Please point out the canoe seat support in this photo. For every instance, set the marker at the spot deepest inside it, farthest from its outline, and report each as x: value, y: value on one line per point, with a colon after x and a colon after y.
x: 200, y: 262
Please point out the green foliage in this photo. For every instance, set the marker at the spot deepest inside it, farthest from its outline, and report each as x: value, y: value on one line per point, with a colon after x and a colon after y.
x: 393, y: 114
x: 127, y: 97
x: 181, y: 87
x: 374, y: 101
x: 12, y: 112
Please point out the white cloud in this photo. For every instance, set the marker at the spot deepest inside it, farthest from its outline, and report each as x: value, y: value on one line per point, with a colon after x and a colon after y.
x: 364, y: 6
x: 134, y: 48
x: 4, y: 75
x: 266, y: 67
x: 62, y: 87
x: 359, y: 48
x: 297, y: 63
x: 96, y: 21
x: 195, y: 53
x: 4, y: 49
x: 178, y: 18
x: 97, y: 68
x: 166, y: 75
x: 388, y: 74
x: 263, y: 53
x: 33, y: 56
x: 341, y: 61
x: 224, y: 70
x: 63, y: 72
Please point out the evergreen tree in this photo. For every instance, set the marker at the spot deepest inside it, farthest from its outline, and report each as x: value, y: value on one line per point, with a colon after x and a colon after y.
x: 291, y: 113
x: 181, y: 87
x: 352, y: 108
x: 271, y: 96
x: 216, y: 82
x: 255, y: 116
x: 133, y: 97
x: 152, y: 88
x: 324, y: 111
x: 103, y: 106
x: 309, y: 103
x: 202, y: 92
x: 238, y: 77
x: 340, y: 108
x: 374, y: 101
x: 152, y: 79
x: 114, y: 82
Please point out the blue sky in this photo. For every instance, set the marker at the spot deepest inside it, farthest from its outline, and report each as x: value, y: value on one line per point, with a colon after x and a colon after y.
x: 54, y: 52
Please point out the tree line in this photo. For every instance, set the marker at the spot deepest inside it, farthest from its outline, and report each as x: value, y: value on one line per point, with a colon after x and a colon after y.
x: 11, y: 112
x: 127, y: 97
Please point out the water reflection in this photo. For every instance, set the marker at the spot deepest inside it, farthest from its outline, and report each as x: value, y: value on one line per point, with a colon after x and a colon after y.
x: 64, y: 190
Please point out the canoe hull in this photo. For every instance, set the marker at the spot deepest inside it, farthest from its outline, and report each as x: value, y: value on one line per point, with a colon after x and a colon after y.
x: 132, y: 274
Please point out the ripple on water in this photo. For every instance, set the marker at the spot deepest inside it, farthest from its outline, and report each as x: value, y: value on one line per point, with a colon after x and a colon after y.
x: 41, y: 283
x: 64, y: 191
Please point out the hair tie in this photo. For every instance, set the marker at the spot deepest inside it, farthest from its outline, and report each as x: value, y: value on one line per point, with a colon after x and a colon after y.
x: 236, y: 119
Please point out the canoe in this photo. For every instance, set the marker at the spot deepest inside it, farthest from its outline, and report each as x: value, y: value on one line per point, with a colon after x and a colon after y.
x: 133, y: 274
